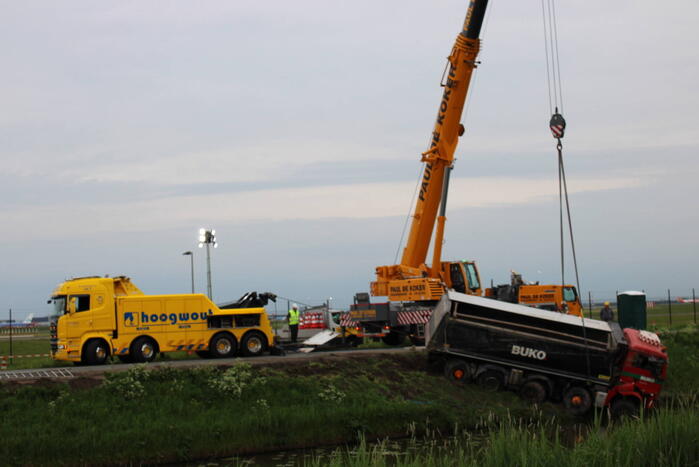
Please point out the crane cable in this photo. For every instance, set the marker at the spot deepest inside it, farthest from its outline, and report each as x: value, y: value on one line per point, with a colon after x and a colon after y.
x: 557, y: 125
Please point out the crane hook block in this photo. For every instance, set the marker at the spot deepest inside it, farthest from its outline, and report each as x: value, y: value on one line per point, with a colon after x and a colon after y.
x: 557, y: 125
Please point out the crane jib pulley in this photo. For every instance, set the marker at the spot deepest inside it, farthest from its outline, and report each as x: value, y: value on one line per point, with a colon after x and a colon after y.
x: 557, y: 125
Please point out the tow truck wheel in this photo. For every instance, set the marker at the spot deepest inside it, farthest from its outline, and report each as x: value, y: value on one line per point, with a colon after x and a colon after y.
x: 577, y: 400
x: 624, y: 409
x: 253, y: 344
x: 533, y: 392
x: 223, y: 346
x: 457, y: 371
x: 96, y: 352
x: 490, y: 380
x: 143, y: 349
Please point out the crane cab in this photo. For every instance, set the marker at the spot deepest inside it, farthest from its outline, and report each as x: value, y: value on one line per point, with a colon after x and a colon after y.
x: 462, y: 276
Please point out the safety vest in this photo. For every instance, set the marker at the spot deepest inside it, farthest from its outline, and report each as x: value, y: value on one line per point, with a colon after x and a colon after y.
x: 293, y: 316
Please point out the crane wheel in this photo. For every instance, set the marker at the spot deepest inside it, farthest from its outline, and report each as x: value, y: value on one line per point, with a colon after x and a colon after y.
x: 393, y: 338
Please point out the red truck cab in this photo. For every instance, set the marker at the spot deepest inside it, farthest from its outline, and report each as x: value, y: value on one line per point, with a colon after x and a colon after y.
x: 643, y: 370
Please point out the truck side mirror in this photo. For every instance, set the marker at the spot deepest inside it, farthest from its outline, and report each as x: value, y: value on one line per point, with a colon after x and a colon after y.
x: 72, y: 305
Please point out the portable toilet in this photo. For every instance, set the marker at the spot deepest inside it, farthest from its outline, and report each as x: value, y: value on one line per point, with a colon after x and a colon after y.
x: 631, y: 308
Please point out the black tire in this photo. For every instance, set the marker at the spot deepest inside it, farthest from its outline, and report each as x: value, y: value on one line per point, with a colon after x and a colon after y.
x: 457, y: 371
x: 203, y: 353
x: 491, y: 380
x: 253, y: 344
x: 124, y: 358
x: 417, y: 341
x: 577, y: 400
x: 624, y: 409
x: 95, y: 352
x: 393, y: 338
x: 144, y: 349
x: 223, y: 345
x: 353, y: 341
x: 533, y: 392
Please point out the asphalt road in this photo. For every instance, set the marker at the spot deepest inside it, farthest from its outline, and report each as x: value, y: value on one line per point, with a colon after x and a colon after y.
x: 98, y: 371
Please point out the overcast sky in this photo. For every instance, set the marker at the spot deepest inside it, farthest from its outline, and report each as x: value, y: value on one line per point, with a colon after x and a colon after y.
x: 295, y: 130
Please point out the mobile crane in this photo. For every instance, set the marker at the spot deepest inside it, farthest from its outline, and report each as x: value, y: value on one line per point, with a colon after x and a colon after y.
x: 413, y: 287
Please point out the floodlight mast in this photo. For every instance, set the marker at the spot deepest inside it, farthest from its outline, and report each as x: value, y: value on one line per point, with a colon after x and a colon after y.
x: 208, y: 237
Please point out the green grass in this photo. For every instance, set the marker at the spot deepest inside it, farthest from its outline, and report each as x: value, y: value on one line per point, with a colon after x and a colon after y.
x: 167, y: 415
x: 667, y: 438
x: 659, y: 315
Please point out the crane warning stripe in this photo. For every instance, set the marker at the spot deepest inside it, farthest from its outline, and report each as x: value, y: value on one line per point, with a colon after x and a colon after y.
x: 347, y: 321
x: 414, y: 317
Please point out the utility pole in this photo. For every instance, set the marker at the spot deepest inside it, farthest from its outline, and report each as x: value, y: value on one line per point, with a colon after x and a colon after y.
x: 191, y: 262
x: 11, y: 354
x: 669, y: 306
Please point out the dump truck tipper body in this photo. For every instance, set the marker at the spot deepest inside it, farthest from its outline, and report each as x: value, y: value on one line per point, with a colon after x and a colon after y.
x: 545, y: 354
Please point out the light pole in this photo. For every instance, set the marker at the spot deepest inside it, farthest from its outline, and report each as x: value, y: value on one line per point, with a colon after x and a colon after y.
x: 191, y: 261
x: 208, y: 237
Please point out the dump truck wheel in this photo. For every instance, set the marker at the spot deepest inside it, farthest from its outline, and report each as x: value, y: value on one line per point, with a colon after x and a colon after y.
x: 143, y: 349
x: 457, y: 371
x: 203, y: 353
x: 624, y: 409
x: 490, y: 380
x: 393, y: 338
x: 96, y: 352
x: 577, y: 400
x: 533, y: 392
x: 223, y: 345
x: 253, y: 344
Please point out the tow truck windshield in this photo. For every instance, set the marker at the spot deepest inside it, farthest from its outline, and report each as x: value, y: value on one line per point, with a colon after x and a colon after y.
x: 59, y: 305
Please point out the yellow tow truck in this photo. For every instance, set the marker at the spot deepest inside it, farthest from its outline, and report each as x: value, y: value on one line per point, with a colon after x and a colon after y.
x: 100, y: 317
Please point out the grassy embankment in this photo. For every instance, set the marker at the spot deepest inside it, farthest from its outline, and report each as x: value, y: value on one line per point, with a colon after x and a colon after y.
x: 167, y: 415
x: 190, y: 414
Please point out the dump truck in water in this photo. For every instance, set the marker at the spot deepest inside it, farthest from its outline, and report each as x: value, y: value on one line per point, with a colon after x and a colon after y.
x: 546, y: 355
